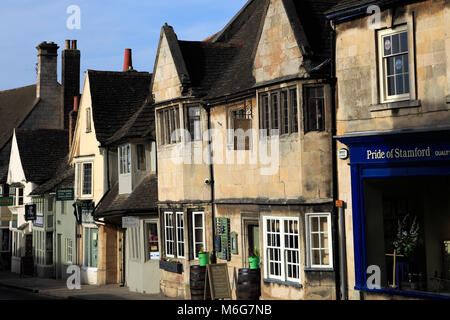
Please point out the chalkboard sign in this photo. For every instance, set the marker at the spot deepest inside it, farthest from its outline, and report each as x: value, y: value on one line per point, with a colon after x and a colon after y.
x: 217, y: 283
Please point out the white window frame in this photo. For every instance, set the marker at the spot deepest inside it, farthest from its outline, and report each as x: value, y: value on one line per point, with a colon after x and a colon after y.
x: 178, y: 240
x: 382, y: 67
x: 283, y: 276
x: 79, y: 178
x: 308, y: 217
x: 125, y: 159
x: 169, y: 229
x: 194, y: 240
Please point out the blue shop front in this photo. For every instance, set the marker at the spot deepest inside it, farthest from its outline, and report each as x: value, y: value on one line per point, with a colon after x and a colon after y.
x: 400, y: 183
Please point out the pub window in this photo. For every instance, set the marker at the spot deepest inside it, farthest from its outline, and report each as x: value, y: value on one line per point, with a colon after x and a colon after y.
x: 314, y: 102
x: 140, y: 150
x: 169, y: 124
x: 50, y: 204
x: 125, y: 159
x: 69, y: 251
x: 394, y: 64
x: 318, y: 226
x: 84, y: 178
x: 279, y: 111
x: 241, y: 123
x: 174, y: 234
x: 193, y: 122
x: 282, y: 248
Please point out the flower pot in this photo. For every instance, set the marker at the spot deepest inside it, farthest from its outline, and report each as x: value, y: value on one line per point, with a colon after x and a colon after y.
x: 203, y: 258
x: 254, y: 262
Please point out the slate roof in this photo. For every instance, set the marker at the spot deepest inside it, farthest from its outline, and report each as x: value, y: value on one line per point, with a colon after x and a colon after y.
x: 116, y: 96
x: 15, y: 105
x: 349, y: 5
x: 140, y: 125
x: 222, y: 64
x: 142, y: 200
x: 41, y: 152
x: 64, y: 177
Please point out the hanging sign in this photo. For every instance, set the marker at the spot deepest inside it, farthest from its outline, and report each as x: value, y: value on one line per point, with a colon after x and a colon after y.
x: 6, y: 201
x: 30, y: 212
x: 64, y: 194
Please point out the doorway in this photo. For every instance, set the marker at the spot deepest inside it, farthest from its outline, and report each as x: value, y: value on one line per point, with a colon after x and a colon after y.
x: 250, y: 237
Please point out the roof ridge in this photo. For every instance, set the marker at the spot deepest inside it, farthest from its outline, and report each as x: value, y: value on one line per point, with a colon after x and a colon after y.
x: 18, y: 88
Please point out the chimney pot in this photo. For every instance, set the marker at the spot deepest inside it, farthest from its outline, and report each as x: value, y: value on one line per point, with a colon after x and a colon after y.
x: 127, y: 63
x: 67, y: 44
x: 74, y: 44
x: 75, y: 103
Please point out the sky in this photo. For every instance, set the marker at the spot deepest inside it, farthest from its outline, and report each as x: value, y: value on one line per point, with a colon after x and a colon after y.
x: 106, y: 28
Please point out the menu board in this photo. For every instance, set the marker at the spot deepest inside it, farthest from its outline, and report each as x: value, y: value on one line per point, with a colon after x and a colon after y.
x: 217, y: 281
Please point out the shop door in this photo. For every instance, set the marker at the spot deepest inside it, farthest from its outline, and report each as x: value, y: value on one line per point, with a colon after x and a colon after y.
x: 152, y: 256
x: 253, y: 238
x: 94, y: 246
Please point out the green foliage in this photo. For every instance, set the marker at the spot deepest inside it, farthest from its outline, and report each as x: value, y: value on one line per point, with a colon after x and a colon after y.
x: 407, y: 238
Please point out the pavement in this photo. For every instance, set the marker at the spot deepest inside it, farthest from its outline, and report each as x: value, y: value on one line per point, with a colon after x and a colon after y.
x: 58, y: 289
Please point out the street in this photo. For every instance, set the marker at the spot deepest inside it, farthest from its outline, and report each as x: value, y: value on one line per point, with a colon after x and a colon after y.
x: 14, y: 294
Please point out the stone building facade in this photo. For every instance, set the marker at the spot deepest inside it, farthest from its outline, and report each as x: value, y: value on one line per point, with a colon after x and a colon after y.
x: 393, y: 114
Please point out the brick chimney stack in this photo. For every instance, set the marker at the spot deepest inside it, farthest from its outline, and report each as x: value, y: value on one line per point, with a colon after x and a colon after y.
x: 47, y: 74
x: 73, y: 115
x: 127, y: 63
x: 70, y: 77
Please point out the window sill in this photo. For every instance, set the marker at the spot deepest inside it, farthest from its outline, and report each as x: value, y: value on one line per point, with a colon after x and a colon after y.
x: 286, y: 283
x: 395, y: 105
x: 315, y: 269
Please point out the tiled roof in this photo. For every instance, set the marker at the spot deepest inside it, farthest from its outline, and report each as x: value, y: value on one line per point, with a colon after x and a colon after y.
x: 143, y: 199
x: 41, y: 152
x: 205, y: 63
x: 243, y: 30
x: 15, y: 106
x: 140, y: 125
x: 63, y: 178
x: 116, y: 96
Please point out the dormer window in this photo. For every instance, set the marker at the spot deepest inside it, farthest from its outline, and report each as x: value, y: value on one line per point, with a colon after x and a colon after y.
x: 125, y: 159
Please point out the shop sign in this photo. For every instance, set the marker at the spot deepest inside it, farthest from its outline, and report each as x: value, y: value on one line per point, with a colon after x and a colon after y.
x: 400, y: 153
x: 130, y: 222
x: 83, y: 212
x: 64, y: 194
x: 6, y: 201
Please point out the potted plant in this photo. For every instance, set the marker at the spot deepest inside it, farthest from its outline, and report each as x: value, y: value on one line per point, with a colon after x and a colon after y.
x: 405, y: 243
x: 171, y: 265
x: 203, y: 257
x: 253, y: 258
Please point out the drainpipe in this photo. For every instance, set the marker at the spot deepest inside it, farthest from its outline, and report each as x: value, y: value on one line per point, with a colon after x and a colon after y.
x: 336, y: 241
x: 338, y: 217
x: 211, y: 173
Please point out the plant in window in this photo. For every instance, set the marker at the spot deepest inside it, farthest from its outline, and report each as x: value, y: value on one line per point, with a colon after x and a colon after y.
x: 407, y: 238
